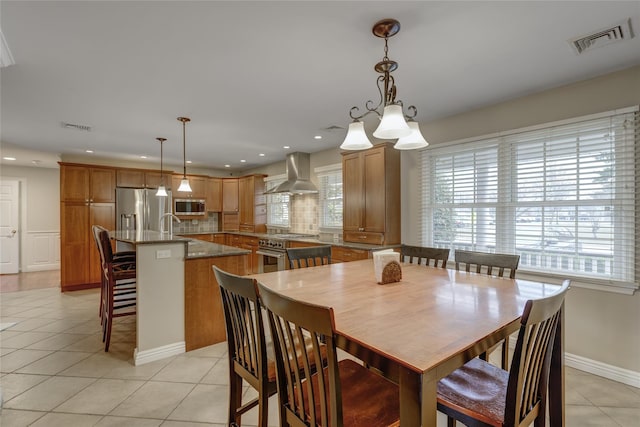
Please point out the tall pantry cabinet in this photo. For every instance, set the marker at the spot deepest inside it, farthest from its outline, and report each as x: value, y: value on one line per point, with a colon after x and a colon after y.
x: 87, y: 196
x: 371, y: 192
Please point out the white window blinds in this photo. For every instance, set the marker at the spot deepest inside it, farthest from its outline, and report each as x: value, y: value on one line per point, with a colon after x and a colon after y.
x: 330, y: 196
x: 277, y: 204
x: 562, y: 196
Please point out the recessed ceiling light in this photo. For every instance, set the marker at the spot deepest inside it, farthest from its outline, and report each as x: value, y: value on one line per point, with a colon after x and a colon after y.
x: 9, y: 158
x: 36, y: 162
x: 317, y: 137
x: 189, y: 161
x: 261, y: 154
x: 88, y: 151
x: 143, y: 157
x: 286, y: 147
x: 227, y: 166
x: 243, y: 161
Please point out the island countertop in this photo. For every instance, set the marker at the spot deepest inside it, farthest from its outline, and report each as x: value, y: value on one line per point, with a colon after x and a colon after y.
x: 195, y: 248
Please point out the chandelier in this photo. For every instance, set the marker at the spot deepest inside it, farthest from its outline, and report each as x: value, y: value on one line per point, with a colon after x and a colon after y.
x: 394, y: 123
x: 162, y: 191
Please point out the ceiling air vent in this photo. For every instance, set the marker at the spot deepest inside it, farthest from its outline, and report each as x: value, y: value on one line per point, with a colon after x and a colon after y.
x: 619, y: 32
x: 74, y: 126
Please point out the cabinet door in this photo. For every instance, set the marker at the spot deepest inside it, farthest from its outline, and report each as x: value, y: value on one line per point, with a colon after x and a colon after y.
x: 129, y: 178
x: 353, y: 194
x: 246, y: 199
x: 74, y: 244
x: 213, y: 194
x: 219, y: 238
x: 374, y: 190
x: 153, y: 180
x: 230, y: 195
x: 102, y: 214
x: 103, y: 186
x: 198, y: 185
x: 74, y: 184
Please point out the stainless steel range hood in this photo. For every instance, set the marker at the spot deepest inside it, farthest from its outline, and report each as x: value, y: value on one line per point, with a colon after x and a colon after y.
x: 297, y: 166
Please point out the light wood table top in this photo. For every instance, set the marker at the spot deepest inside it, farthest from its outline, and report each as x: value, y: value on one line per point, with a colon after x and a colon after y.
x: 418, y: 330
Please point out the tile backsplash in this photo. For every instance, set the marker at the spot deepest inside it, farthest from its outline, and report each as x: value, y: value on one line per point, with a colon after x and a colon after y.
x: 208, y: 225
x: 304, y: 213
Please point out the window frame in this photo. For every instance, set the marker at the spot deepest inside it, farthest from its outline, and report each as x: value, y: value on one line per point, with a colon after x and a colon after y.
x: 285, y: 205
x: 334, y: 170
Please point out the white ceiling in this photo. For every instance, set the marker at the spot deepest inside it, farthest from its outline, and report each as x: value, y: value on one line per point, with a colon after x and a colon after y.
x: 255, y: 76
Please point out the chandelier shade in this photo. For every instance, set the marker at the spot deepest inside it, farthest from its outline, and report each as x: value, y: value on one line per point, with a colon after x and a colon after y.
x: 413, y: 141
x: 393, y: 119
x: 184, y: 183
x: 356, y: 138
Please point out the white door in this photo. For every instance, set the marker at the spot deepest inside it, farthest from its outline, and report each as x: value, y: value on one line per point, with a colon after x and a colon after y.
x: 9, y: 236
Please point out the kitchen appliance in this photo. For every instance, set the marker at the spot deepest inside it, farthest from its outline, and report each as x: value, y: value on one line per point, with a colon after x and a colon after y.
x: 297, y: 169
x: 272, y: 252
x: 140, y: 209
x: 189, y: 207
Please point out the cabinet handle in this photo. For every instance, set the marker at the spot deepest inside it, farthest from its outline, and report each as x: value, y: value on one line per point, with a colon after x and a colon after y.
x: 363, y: 237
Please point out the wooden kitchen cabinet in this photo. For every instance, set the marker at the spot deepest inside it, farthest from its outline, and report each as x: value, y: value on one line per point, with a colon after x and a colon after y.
x: 154, y: 179
x: 141, y: 178
x: 197, y: 183
x: 213, y: 194
x: 252, y: 204
x: 342, y: 254
x: 230, y: 195
x: 87, y: 197
x: 371, y: 191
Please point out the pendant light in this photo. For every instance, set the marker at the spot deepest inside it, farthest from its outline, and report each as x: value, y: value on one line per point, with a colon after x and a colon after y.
x: 393, y: 120
x: 162, y: 191
x: 184, y: 183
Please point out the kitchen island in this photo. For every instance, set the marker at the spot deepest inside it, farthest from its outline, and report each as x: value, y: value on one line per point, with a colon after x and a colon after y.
x: 178, y: 302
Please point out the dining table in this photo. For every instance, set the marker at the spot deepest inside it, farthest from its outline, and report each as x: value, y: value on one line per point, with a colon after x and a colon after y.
x: 423, y: 327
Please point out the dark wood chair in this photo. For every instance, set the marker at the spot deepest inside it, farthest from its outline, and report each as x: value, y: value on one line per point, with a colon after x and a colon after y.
x: 480, y: 394
x: 310, y: 256
x: 428, y: 256
x: 119, y: 294
x: 123, y: 256
x: 346, y: 394
x: 493, y: 265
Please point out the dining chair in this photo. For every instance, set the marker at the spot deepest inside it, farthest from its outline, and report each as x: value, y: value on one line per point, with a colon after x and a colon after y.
x: 493, y: 265
x: 344, y: 393
x: 123, y: 256
x: 309, y: 256
x: 119, y: 294
x: 481, y: 394
x: 429, y: 255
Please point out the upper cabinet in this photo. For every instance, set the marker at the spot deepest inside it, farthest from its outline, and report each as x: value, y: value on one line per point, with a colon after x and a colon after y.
x: 230, y: 195
x: 371, y: 191
x: 87, y: 184
x: 197, y: 183
x: 252, y: 203
x: 213, y: 194
x: 139, y: 178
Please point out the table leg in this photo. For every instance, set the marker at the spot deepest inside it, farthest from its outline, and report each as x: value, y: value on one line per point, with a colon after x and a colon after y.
x: 555, y: 399
x: 417, y: 399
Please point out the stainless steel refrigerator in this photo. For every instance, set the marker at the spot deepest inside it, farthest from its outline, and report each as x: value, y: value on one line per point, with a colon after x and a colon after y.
x: 140, y: 209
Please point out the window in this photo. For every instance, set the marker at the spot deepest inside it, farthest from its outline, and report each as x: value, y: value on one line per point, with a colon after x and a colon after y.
x: 277, y: 204
x: 330, y: 195
x: 560, y: 195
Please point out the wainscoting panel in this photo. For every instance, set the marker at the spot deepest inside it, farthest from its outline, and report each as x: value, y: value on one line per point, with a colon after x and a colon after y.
x: 42, y: 251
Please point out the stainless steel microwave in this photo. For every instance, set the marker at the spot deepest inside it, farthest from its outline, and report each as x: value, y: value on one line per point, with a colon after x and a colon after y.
x: 189, y: 207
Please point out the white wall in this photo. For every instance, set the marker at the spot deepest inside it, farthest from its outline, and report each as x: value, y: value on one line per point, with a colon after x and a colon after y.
x: 601, y: 327
x: 40, y: 216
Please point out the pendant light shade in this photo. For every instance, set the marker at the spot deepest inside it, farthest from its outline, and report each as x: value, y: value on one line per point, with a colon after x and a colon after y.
x: 393, y: 125
x: 184, y: 183
x: 414, y: 141
x: 356, y: 138
x: 162, y: 191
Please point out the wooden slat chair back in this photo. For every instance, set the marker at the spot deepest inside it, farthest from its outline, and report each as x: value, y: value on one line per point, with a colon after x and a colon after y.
x: 119, y: 295
x: 493, y: 265
x: 480, y: 394
x: 309, y: 257
x: 345, y: 394
x: 436, y: 257
x: 247, y: 346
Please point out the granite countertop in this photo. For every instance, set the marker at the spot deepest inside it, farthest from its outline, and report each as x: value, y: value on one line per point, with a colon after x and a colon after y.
x: 309, y: 239
x: 195, y: 248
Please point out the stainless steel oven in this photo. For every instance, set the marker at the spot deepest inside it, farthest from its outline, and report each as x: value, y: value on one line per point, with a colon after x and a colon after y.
x: 272, y: 255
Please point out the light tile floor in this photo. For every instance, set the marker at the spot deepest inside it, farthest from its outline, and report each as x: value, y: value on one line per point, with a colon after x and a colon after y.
x: 54, y: 372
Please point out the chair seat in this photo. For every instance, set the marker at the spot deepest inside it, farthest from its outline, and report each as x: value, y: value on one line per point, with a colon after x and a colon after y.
x: 477, y: 389
x: 368, y: 399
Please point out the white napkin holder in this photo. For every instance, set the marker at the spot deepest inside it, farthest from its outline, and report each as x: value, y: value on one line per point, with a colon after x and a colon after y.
x: 386, y: 265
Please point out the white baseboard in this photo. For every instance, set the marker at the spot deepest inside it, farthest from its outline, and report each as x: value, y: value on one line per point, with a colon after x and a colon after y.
x: 153, y: 354
x: 604, y: 370
x: 41, y: 267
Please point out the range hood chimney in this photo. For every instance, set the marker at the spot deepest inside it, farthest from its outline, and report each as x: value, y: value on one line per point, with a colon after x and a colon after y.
x: 297, y: 167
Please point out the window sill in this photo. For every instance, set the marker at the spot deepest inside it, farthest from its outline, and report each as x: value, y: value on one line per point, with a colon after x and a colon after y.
x: 615, y: 287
